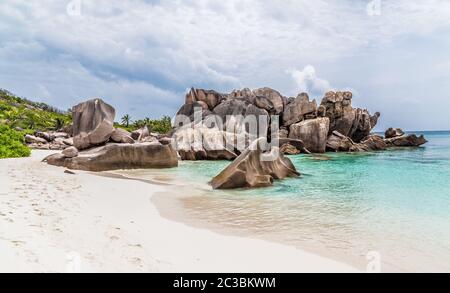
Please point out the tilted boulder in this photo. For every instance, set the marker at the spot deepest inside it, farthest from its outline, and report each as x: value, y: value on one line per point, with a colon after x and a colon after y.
x: 121, y: 136
x: 51, y: 135
x: 362, y: 125
x: 394, y: 132
x: 202, y: 143
x: 70, y: 152
x: 92, y: 123
x: 275, y: 97
x: 369, y: 144
x: 337, y: 142
x: 119, y: 156
x: 250, y: 170
x: 296, y: 110
x: 313, y: 132
x: 292, y: 146
x: 31, y: 139
x: 209, y: 98
x: 406, y: 141
x: 353, y: 123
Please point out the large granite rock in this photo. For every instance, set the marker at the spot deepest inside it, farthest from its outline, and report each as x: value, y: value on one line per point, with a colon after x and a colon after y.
x: 296, y: 109
x: 354, y: 123
x: 121, y: 136
x: 313, y: 133
x: 249, y: 170
x: 70, y: 152
x: 362, y: 125
x: 92, y: 123
x: 275, y: 97
x: 245, y: 94
x: 31, y: 139
x: 50, y: 136
x: 233, y: 112
x: 394, y: 132
x: 206, y: 98
x: 292, y: 146
x: 202, y: 143
x: 119, y: 156
x: 369, y: 144
x: 337, y: 142
x: 406, y: 141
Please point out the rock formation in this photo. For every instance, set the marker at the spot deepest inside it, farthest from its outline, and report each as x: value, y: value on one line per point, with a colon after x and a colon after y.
x: 70, y: 152
x: 394, y: 132
x: 50, y: 140
x: 119, y: 156
x: 121, y: 136
x: 249, y: 170
x: 406, y: 141
x: 92, y: 123
x: 202, y: 143
x: 337, y: 142
x: 299, y: 109
x: 369, y: 144
x: 353, y: 123
x: 313, y: 132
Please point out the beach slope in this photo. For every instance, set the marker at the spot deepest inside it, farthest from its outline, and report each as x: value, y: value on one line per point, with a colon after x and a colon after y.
x: 52, y: 221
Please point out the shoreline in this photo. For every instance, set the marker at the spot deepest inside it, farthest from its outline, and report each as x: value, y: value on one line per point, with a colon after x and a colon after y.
x: 57, y: 222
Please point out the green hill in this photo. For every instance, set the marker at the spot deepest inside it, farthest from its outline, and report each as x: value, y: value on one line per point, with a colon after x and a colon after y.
x: 19, y: 116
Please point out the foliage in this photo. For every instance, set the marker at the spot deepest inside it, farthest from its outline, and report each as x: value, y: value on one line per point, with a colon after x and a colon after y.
x: 12, y: 143
x: 21, y: 113
x: 163, y: 125
x: 126, y: 120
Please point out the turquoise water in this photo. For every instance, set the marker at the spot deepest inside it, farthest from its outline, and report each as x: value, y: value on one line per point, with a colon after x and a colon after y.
x: 394, y: 202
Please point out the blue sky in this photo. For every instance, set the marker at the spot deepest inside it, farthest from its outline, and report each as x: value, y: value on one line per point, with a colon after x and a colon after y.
x: 141, y: 56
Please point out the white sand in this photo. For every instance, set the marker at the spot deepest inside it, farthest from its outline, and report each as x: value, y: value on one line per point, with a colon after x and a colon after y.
x: 55, y: 222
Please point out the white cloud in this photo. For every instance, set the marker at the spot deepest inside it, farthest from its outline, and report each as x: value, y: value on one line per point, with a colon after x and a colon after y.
x: 170, y: 45
x: 307, y: 81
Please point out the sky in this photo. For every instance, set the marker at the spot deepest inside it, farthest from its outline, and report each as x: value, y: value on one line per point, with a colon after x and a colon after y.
x: 142, y: 56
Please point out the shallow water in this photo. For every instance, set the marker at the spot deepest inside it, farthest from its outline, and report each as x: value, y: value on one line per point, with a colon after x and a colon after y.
x: 395, y: 202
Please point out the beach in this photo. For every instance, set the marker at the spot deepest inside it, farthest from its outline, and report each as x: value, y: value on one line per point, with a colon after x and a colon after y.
x: 52, y: 221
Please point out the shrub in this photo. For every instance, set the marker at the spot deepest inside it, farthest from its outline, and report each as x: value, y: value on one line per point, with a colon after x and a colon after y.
x: 12, y: 144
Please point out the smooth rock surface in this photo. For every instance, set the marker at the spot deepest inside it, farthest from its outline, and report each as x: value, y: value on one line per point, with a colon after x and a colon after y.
x: 313, y: 133
x: 92, y: 123
x: 249, y: 170
x: 119, y: 156
x: 121, y: 136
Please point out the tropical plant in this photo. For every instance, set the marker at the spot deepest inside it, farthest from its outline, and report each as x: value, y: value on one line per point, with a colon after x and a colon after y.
x: 12, y: 144
x: 126, y: 120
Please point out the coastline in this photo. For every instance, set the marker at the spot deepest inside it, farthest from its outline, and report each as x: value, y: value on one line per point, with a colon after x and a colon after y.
x: 57, y: 222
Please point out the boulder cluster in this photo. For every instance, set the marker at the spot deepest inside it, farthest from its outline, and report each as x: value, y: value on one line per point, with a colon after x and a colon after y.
x: 333, y: 125
x: 212, y: 126
x: 49, y: 140
x: 98, y: 146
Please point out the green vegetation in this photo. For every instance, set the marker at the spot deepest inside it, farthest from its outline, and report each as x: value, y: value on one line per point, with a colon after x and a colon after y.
x: 162, y: 126
x: 19, y: 113
x: 12, y: 143
x: 19, y: 116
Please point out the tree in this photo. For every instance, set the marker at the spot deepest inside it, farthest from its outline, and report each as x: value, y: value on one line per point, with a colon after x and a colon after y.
x: 126, y: 120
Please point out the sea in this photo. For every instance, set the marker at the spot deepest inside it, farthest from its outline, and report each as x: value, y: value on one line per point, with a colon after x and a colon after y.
x: 392, y: 207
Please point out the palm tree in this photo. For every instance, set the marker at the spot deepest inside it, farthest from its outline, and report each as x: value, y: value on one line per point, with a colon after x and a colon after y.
x: 126, y: 120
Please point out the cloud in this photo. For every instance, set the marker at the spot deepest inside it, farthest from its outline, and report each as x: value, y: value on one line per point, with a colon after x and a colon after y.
x: 159, y: 48
x: 307, y: 81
